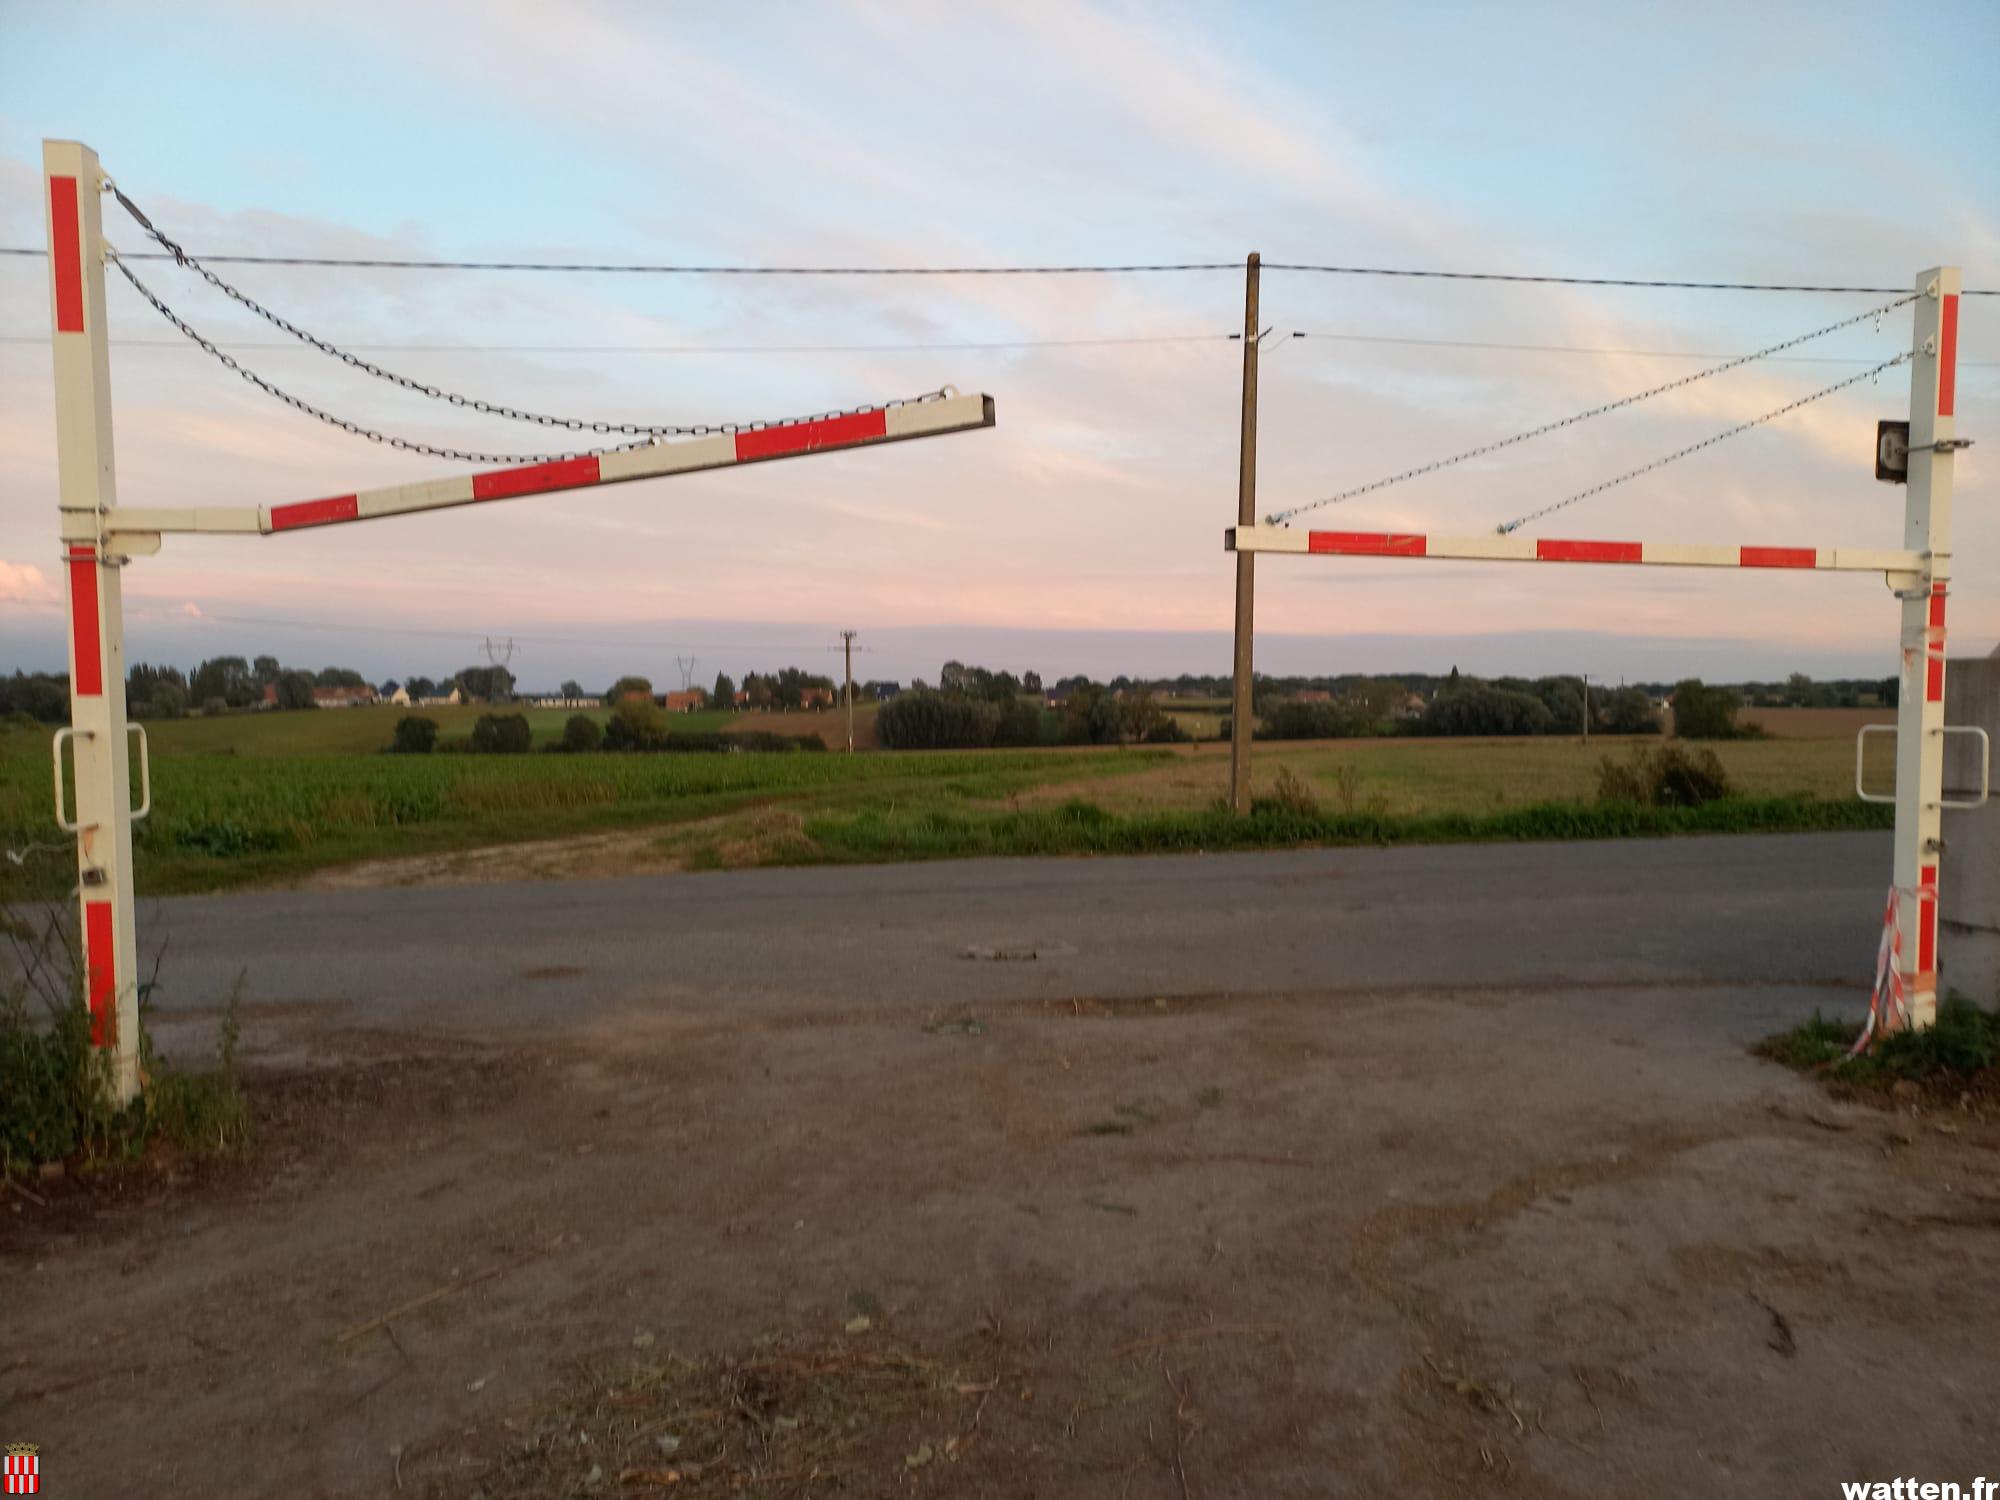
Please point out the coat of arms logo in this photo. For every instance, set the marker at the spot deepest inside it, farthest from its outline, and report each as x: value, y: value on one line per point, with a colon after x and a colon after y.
x: 23, y: 1470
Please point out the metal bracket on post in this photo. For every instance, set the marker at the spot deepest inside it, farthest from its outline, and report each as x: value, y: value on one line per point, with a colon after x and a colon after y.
x: 1860, y: 745
x: 145, y: 806
x: 63, y: 820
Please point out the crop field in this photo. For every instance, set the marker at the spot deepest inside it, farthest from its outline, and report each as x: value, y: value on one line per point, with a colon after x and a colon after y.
x: 364, y: 731
x: 256, y: 798
x: 229, y: 819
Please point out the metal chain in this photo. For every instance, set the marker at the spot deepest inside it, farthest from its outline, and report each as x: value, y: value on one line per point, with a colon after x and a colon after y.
x: 1709, y: 442
x: 1278, y: 518
x: 409, y: 445
x: 432, y: 450
x: 423, y: 388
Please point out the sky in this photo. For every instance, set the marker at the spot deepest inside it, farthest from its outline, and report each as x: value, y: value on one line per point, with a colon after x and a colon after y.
x: 1779, y: 142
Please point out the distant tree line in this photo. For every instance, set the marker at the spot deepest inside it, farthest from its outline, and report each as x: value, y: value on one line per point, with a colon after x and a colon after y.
x: 973, y: 708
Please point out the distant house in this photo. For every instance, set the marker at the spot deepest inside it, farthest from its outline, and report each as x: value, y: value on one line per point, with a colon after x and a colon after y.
x: 1312, y: 695
x: 685, y: 702
x: 816, y: 697
x: 400, y: 698
x: 442, y: 700
x: 346, y: 697
x: 743, y: 697
x: 1414, y: 706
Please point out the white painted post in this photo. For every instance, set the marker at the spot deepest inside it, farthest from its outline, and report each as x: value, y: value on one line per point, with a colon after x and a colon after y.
x: 87, y: 489
x: 1920, y: 700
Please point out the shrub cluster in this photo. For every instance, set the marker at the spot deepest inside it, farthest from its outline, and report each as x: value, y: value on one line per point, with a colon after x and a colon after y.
x: 1668, y: 776
x: 415, y: 735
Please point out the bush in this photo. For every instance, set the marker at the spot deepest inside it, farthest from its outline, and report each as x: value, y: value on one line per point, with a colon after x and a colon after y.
x: 295, y: 690
x: 1310, y: 721
x: 502, y: 734
x: 1290, y: 794
x: 636, y: 724
x: 582, y: 734
x: 1479, y: 708
x: 1702, y: 712
x: 1624, y: 710
x: 925, y: 720
x: 1665, y: 777
x: 415, y: 735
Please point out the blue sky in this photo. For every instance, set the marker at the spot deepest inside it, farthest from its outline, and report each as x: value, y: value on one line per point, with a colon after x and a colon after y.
x: 1794, y: 143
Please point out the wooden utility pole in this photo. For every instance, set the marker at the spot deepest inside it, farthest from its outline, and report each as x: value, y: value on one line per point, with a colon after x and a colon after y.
x: 1241, y: 722
x: 847, y: 650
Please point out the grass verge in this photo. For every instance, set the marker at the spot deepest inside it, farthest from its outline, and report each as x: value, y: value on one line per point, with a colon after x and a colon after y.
x: 54, y: 1104
x: 1078, y: 827
x: 1959, y: 1056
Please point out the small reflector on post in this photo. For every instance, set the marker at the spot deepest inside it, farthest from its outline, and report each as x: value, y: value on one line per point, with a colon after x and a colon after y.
x: 1892, y: 452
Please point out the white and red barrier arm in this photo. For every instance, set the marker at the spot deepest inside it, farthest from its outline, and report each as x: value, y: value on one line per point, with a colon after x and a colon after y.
x: 1513, y: 548
x: 882, y: 424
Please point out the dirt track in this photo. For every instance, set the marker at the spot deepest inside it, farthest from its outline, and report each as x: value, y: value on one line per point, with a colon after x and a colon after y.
x: 1533, y: 1242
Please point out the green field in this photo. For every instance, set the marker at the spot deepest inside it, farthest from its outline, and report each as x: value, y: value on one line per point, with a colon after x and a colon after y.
x: 363, y: 731
x: 252, y: 798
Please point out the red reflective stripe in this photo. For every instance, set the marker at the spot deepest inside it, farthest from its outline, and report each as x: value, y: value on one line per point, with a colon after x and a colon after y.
x: 1948, y: 356
x: 803, y: 437
x: 1927, y: 919
x: 66, y: 254
x: 1592, y: 552
x: 100, y: 958
x: 535, y: 479
x: 1934, y: 664
x: 1368, y: 543
x: 1777, y: 557
x: 83, y: 625
x: 315, y: 512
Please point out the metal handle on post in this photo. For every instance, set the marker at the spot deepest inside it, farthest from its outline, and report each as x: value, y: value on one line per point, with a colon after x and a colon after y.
x: 1860, y: 740
x: 63, y: 819
x: 1985, y: 767
x: 145, y: 772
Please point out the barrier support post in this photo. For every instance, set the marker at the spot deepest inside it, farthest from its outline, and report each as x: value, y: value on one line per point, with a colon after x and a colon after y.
x: 1242, y: 700
x: 1920, y: 698
x: 87, y: 490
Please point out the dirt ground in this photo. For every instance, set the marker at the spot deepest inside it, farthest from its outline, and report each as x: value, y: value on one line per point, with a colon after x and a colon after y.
x: 1486, y: 1242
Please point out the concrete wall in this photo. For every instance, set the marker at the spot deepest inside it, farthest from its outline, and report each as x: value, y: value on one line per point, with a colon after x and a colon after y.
x: 1969, y: 874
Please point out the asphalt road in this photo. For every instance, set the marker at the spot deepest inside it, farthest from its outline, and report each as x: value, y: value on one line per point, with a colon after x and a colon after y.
x: 1730, y: 911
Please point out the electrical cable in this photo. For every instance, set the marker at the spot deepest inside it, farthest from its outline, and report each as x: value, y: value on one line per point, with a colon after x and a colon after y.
x: 642, y: 268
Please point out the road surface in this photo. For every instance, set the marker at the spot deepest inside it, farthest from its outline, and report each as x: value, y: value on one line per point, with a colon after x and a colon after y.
x: 1793, y: 909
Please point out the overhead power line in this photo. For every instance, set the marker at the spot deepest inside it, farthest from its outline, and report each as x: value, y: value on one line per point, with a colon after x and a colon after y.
x: 947, y: 344
x: 646, y: 268
x: 1606, y: 351
x: 1621, y: 281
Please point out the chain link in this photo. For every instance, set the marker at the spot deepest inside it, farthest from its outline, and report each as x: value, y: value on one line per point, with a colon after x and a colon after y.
x: 1709, y: 442
x: 459, y: 455
x: 423, y: 388
x: 1280, y: 517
